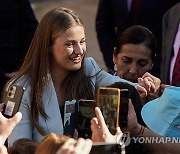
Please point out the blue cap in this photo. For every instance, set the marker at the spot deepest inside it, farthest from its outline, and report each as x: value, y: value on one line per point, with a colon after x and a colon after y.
x: 162, y: 115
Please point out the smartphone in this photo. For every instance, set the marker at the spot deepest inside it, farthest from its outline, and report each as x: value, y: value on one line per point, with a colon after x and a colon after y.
x: 70, y: 117
x: 12, y: 100
x: 105, y: 148
x: 108, y: 100
x: 86, y: 111
x: 123, y: 110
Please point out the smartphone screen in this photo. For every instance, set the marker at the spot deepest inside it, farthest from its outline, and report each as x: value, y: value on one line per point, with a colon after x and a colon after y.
x: 70, y: 117
x: 108, y: 99
x: 123, y: 111
x: 12, y: 100
x: 85, y: 114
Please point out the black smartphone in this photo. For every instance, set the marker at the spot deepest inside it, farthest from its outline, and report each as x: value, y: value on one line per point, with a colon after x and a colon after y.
x: 105, y: 148
x: 86, y: 113
x: 123, y: 109
x: 70, y: 117
x: 108, y: 100
x: 12, y: 100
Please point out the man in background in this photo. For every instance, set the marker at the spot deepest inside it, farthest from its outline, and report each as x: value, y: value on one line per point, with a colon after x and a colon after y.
x: 114, y: 16
x: 170, y: 72
x: 18, y: 24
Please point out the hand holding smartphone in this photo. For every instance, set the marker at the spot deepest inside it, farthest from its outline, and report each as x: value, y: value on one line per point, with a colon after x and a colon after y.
x: 12, y: 100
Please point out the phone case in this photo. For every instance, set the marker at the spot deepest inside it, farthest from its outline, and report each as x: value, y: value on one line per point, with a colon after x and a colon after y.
x: 86, y: 111
x: 108, y: 100
x: 123, y: 111
x: 13, y: 100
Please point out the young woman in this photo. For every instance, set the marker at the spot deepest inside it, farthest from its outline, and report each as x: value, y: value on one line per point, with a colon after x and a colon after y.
x: 55, y: 71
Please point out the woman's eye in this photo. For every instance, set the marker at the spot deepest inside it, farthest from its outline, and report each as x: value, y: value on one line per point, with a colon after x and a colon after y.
x: 83, y: 41
x: 126, y: 60
x: 69, y: 44
x: 143, y: 63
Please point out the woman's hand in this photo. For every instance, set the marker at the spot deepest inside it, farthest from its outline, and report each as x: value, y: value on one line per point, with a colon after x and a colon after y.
x: 81, y: 146
x: 7, y: 125
x: 100, y: 132
x: 133, y: 127
x: 148, y: 85
x: 151, y: 82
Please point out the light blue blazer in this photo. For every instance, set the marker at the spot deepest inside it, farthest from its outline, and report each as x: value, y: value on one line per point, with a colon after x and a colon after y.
x: 53, y: 124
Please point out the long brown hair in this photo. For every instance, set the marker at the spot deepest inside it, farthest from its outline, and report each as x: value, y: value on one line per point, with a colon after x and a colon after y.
x: 37, y: 63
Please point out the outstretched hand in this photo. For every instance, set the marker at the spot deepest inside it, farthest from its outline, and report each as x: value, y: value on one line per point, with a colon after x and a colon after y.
x: 76, y: 147
x: 100, y: 132
x: 7, y: 125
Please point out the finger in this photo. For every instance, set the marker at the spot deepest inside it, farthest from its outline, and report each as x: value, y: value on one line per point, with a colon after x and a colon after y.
x: 15, y: 119
x: 95, y: 130
x: 147, y: 75
x: 94, y: 120
x: 163, y: 86
x: 12, y: 122
x: 2, y: 117
x: 3, y: 150
x: 75, y: 135
x: 118, y: 130
x: 131, y: 113
x: 149, y: 78
x: 94, y: 123
x: 67, y: 147
x: 79, y: 146
x: 87, y: 146
x: 100, y: 118
x: 1, y: 107
x: 156, y: 80
x: 142, y: 91
x: 153, y: 87
x: 141, y: 82
x: 147, y: 84
x: 152, y: 84
x: 131, y: 107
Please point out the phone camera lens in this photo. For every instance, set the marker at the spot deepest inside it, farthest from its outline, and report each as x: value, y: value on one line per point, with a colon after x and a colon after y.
x: 9, y: 94
x: 11, y: 89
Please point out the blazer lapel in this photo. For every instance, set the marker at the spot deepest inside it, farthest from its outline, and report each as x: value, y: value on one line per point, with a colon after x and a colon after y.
x: 54, y: 121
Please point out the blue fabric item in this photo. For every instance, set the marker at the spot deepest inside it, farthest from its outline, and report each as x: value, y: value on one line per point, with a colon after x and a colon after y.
x: 162, y: 115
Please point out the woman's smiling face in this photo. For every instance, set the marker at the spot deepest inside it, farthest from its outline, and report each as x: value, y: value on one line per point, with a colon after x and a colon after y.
x: 69, y: 49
